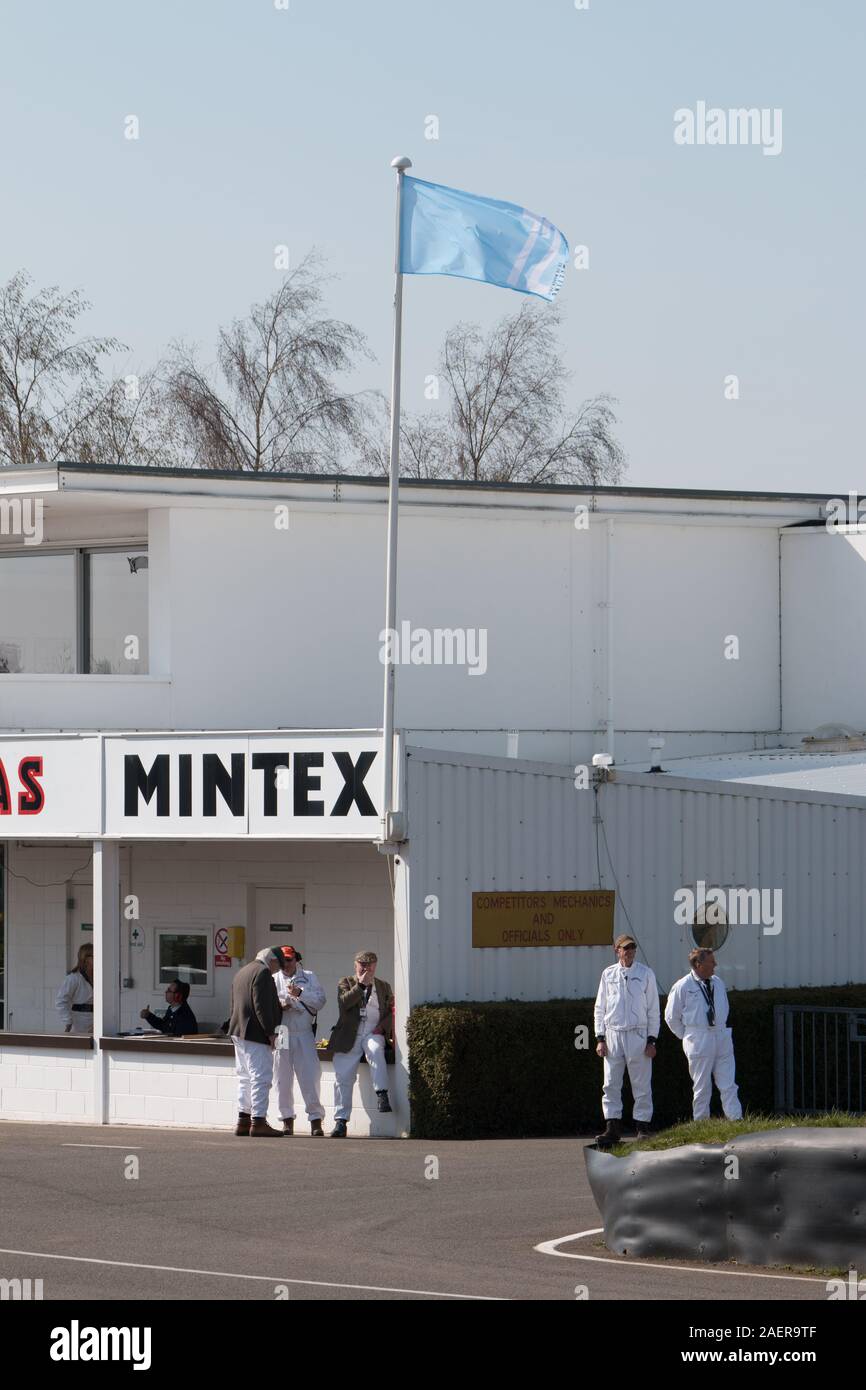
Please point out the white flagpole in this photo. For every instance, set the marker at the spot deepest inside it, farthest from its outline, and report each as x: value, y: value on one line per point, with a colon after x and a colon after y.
x: 401, y: 164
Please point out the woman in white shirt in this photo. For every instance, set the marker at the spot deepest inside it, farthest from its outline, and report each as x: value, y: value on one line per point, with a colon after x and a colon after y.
x: 75, y: 995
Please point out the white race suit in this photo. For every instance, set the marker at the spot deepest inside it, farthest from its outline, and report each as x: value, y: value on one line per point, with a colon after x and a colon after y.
x: 295, y: 1052
x: 709, y: 1047
x: 75, y: 1002
x: 627, y: 1017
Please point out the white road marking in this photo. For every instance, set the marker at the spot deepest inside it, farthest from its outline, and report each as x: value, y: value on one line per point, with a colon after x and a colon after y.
x: 548, y: 1247
x: 125, y: 1147
x: 262, y: 1278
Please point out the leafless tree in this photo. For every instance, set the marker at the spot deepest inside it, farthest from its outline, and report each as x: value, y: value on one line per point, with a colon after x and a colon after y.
x: 505, y: 418
x: 135, y: 422
x: 51, y: 384
x: 272, y: 402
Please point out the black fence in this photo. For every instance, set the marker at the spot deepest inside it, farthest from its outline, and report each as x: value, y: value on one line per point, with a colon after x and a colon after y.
x: 820, y: 1059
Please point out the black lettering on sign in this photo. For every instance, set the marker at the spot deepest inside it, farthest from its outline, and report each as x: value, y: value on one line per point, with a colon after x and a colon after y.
x: 5, y: 800
x: 304, y: 783
x: 354, y: 792
x: 136, y: 780
x: 268, y: 763
x: 215, y: 777
x: 184, y: 764
x: 32, y: 799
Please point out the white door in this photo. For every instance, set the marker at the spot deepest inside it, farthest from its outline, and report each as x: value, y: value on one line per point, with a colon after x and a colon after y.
x: 279, y: 919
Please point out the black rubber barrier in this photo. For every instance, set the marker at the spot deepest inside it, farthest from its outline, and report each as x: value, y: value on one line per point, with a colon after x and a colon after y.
x: 777, y: 1197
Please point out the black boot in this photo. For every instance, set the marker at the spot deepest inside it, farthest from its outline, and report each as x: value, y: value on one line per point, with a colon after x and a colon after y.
x: 316, y: 1131
x: 384, y: 1103
x: 339, y: 1130
x: 612, y: 1135
x: 288, y: 1127
x: 644, y: 1129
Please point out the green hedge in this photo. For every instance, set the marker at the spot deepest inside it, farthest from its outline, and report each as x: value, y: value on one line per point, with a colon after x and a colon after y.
x: 511, y: 1070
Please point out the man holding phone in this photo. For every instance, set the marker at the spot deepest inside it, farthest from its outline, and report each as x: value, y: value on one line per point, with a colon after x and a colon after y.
x: 365, y: 1028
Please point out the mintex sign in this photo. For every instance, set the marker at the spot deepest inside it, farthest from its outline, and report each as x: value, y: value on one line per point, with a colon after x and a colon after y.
x: 309, y: 786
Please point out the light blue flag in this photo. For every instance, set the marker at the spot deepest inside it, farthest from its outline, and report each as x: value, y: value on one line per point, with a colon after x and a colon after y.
x: 444, y: 231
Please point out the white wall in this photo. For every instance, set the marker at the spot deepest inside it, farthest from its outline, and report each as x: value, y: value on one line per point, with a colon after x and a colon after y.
x: 679, y: 592
x: 276, y: 627
x: 46, y: 1084
x: 824, y: 629
x: 201, y: 1092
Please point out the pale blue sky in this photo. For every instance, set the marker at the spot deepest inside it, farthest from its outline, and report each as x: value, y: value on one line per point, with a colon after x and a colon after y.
x: 261, y: 126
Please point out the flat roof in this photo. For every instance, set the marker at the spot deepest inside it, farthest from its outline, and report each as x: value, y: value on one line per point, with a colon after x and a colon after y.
x: 842, y: 774
x: 100, y: 470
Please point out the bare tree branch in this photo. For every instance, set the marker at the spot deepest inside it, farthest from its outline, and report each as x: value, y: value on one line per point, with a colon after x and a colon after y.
x: 271, y: 400
x: 506, y: 419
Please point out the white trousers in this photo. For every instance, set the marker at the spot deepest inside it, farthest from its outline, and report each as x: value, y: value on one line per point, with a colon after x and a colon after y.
x: 254, y: 1069
x: 297, y: 1059
x: 346, y: 1069
x: 625, y: 1050
x: 710, y: 1055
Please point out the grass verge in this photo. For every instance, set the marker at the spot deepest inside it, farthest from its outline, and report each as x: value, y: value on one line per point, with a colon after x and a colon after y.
x: 719, y: 1131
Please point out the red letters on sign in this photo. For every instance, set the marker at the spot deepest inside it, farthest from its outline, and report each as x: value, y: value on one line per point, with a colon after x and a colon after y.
x: 31, y: 798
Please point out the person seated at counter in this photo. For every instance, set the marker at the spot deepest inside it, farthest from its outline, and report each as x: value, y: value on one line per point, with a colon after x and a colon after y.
x: 179, y: 1017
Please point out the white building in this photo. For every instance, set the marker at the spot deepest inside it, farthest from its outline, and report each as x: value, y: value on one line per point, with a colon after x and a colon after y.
x: 145, y: 709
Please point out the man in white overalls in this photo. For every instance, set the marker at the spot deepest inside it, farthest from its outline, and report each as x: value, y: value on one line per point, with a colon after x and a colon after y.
x: 301, y: 997
x: 697, y: 1013
x: 626, y: 1029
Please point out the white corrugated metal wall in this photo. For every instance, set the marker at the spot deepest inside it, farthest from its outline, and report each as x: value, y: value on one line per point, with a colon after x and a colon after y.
x: 479, y: 823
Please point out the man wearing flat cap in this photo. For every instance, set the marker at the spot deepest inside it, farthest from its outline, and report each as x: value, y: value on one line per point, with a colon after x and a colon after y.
x: 256, y: 1016
x: 626, y: 1030
x: 365, y: 1028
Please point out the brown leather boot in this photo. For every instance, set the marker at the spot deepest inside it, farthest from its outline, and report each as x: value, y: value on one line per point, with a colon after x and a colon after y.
x: 288, y: 1128
x: 260, y: 1129
x: 243, y: 1124
x: 316, y: 1131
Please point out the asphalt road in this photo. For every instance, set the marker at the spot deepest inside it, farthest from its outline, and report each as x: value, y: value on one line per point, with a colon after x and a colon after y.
x: 209, y: 1216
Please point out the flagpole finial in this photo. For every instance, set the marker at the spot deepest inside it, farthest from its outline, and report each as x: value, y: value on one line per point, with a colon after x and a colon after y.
x: 402, y: 162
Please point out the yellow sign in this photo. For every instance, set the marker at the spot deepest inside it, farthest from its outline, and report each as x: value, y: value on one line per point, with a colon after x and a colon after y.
x: 575, y: 917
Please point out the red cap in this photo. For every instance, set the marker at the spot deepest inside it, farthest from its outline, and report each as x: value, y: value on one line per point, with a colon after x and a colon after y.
x: 289, y: 952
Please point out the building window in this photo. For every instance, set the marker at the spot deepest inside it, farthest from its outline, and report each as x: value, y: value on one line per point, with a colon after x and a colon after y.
x: 76, y: 611
x: 38, y: 624
x: 184, y: 955
x: 116, y: 608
